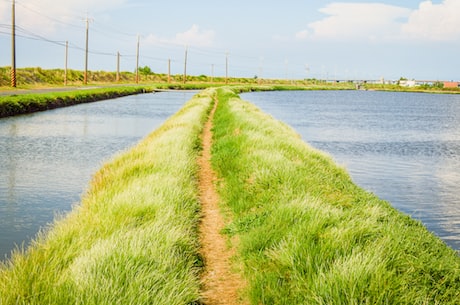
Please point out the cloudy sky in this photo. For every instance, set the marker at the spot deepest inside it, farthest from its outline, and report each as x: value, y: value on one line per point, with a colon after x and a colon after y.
x: 273, y: 39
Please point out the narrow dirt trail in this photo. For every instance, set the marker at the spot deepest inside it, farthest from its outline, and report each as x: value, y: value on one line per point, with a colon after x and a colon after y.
x: 220, y: 284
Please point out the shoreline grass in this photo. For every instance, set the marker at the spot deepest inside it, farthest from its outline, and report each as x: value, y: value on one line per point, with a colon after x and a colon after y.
x: 17, y: 102
x: 133, y: 239
x: 307, y: 234
x: 11, y: 105
x: 25, y: 103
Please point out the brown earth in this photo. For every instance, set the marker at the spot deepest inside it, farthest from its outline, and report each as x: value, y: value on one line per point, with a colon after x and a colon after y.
x: 220, y: 285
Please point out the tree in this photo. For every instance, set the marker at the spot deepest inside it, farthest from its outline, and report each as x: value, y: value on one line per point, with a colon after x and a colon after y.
x: 146, y: 70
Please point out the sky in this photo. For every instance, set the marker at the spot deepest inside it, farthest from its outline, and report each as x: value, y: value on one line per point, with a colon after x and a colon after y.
x: 293, y: 39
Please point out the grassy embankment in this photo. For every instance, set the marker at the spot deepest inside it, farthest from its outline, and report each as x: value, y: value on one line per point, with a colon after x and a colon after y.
x: 304, y: 233
x: 417, y: 89
x: 27, y: 103
x: 133, y: 239
x: 307, y: 234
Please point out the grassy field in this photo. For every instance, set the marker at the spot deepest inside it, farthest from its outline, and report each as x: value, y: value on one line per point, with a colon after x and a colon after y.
x: 306, y: 234
x: 133, y: 239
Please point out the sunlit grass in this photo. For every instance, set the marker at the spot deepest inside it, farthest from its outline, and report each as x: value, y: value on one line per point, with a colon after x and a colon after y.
x: 304, y: 232
x: 133, y: 239
x: 307, y: 234
x: 31, y: 102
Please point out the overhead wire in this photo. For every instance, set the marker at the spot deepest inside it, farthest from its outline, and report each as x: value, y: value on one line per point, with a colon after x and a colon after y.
x: 27, y: 7
x: 110, y: 31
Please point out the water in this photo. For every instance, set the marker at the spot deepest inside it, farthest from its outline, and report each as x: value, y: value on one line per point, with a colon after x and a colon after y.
x: 48, y: 158
x: 404, y: 147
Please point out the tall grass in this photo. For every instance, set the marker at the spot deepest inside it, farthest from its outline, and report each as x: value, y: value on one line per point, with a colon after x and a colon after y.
x: 307, y: 234
x: 133, y: 239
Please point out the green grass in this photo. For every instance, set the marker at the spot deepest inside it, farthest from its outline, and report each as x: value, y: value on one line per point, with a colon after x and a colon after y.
x: 27, y: 103
x: 304, y: 232
x: 133, y: 239
x: 307, y: 234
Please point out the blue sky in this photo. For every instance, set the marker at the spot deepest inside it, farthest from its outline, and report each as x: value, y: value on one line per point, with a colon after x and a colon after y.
x: 279, y: 39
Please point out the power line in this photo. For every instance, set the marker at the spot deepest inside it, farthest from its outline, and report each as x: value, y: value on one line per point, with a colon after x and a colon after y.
x: 27, y: 7
x: 115, y: 33
x: 37, y: 37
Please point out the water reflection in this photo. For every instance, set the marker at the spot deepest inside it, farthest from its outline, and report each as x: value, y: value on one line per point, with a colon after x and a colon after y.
x: 405, y: 147
x: 48, y: 158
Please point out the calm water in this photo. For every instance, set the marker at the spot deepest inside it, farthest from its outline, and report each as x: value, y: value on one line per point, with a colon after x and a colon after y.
x: 404, y: 147
x: 47, y: 158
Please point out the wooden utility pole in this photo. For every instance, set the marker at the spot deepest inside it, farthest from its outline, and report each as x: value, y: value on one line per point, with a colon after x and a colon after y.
x: 85, y: 79
x: 118, y: 66
x: 137, y: 60
x: 226, y: 67
x: 13, y: 45
x: 185, y: 65
x: 169, y: 71
x: 66, y: 61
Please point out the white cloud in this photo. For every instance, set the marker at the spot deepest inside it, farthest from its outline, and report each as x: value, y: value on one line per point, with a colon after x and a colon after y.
x: 435, y: 22
x: 46, y: 16
x: 382, y: 22
x: 302, y: 35
x: 194, y: 36
x: 358, y: 20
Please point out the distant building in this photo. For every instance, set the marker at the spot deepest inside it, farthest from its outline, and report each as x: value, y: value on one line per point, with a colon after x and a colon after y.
x: 407, y: 83
x: 451, y: 85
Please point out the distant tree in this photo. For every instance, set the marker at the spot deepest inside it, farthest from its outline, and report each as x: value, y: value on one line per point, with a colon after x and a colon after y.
x: 146, y: 70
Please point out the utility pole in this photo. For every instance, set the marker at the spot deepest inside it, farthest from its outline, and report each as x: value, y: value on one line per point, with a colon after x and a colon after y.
x: 212, y: 73
x: 13, y: 45
x: 66, y: 61
x: 185, y: 65
x: 118, y: 66
x: 307, y: 69
x: 286, y: 63
x: 137, y: 60
x: 169, y: 71
x: 85, y: 78
x: 226, y: 67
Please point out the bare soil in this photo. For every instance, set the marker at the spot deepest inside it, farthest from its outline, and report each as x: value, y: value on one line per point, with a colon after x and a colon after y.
x: 220, y: 285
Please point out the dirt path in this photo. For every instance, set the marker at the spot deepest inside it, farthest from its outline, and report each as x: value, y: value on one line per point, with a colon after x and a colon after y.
x: 220, y: 285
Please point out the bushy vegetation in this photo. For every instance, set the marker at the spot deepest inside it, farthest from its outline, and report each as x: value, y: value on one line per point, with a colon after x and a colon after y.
x: 38, y: 77
x: 306, y: 234
x: 437, y: 88
x: 133, y: 239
